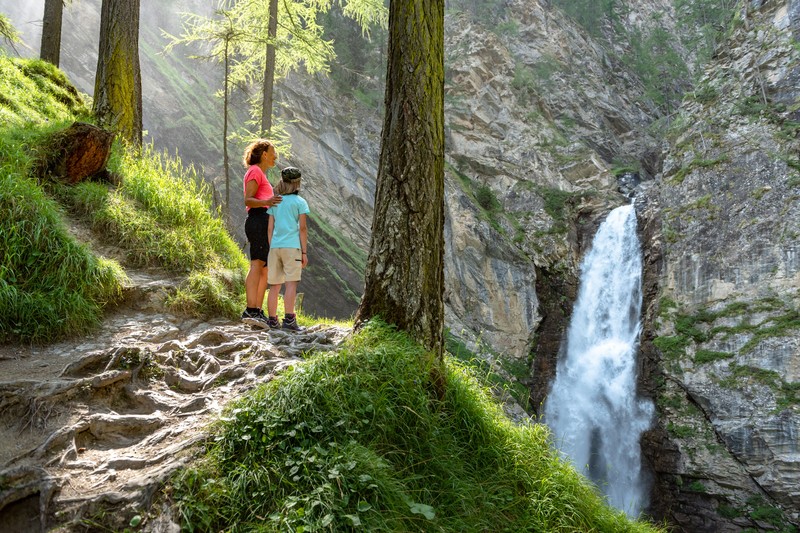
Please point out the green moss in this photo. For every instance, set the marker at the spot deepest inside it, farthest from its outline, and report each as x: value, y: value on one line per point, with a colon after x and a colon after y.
x: 773, y: 327
x: 709, y: 356
x: 680, y: 431
x: 681, y: 174
x: 697, y: 486
x: 673, y: 347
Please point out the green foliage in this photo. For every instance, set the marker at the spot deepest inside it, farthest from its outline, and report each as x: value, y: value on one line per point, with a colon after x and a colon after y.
x: 556, y: 204
x: 240, y: 30
x: 681, y: 174
x: 707, y: 19
x: 593, y: 15
x: 360, y: 67
x: 7, y: 30
x: 483, y: 196
x: 355, y: 439
x: 523, y: 84
x: 729, y: 511
x: 663, y: 72
x: 696, y: 486
x: 762, y: 511
x: 774, y: 327
x: 679, y: 431
x: 709, y: 356
x: 50, y: 285
x: 508, y: 28
x: 687, y: 325
x: 488, y: 374
x: 776, y: 113
x: 487, y: 12
x: 673, y: 347
x: 705, y: 94
x: 486, y: 198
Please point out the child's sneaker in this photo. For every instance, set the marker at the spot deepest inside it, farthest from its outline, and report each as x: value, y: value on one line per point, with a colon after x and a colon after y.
x: 290, y: 324
x: 272, y: 322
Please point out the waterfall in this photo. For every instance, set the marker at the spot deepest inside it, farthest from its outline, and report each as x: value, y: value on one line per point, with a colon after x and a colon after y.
x: 592, y: 409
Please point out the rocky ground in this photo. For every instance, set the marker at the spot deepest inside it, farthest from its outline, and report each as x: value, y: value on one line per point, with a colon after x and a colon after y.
x: 91, y: 428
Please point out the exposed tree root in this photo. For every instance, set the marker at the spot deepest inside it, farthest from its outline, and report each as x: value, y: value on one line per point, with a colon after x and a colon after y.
x: 108, y: 430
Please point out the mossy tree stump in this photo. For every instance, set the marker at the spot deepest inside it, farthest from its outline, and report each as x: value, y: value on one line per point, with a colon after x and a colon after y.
x: 78, y: 152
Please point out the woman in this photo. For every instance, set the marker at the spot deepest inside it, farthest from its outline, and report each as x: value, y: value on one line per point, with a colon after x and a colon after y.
x: 259, y: 156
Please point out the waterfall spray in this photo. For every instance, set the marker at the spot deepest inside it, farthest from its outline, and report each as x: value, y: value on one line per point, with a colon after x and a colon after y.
x: 592, y: 409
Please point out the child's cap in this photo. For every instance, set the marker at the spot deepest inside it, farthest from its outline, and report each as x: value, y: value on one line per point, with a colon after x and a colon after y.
x: 290, y: 174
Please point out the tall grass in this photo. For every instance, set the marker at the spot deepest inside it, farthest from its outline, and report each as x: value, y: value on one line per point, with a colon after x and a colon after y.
x: 160, y: 214
x: 355, y: 439
x: 50, y: 285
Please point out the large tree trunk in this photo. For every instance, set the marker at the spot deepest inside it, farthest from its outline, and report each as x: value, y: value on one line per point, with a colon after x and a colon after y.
x: 118, y: 83
x: 51, y: 31
x: 269, y: 70
x: 405, y: 272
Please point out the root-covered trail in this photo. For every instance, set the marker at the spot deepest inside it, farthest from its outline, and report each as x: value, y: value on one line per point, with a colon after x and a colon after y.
x: 96, y: 425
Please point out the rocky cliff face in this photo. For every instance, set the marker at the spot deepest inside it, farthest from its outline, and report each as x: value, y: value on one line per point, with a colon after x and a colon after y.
x: 722, y: 337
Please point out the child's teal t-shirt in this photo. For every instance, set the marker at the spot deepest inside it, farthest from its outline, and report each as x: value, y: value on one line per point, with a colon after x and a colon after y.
x: 286, y: 228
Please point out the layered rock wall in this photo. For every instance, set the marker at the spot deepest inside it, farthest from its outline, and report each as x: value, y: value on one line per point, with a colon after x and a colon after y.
x: 725, y: 327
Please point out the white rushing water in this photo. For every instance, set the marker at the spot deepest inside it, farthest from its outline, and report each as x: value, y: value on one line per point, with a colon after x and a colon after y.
x: 592, y: 410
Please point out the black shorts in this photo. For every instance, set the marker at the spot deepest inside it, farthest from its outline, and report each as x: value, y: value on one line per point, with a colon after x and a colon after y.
x: 256, y: 228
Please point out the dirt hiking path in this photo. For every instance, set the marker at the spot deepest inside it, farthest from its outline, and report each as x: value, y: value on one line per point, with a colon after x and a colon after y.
x: 91, y: 428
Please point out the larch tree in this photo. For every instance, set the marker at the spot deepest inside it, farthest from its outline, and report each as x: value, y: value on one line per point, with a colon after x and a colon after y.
x: 220, y: 34
x: 8, y: 32
x: 51, y: 31
x: 118, y: 82
x: 405, y: 268
x: 289, y: 37
x: 269, y: 70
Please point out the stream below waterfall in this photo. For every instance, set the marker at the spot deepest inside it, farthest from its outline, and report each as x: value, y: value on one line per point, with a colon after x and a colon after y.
x: 593, y: 410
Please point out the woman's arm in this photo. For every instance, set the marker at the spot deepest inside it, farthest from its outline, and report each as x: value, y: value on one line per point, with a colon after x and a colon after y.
x: 250, y: 200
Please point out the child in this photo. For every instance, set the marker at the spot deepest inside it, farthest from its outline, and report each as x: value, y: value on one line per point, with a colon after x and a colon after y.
x: 288, y: 239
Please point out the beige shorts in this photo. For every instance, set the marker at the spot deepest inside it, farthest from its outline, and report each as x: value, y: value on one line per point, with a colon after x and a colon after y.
x: 284, y: 264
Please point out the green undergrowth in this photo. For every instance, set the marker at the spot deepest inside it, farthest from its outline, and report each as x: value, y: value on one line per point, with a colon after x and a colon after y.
x: 161, y: 215
x: 356, y: 440
x: 50, y: 285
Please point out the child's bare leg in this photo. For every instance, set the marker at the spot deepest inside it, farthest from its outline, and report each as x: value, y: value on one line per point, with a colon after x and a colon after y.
x: 288, y: 297
x: 272, y: 300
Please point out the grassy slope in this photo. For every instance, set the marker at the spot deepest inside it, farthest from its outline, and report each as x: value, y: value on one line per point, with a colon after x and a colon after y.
x: 50, y: 285
x: 354, y: 438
